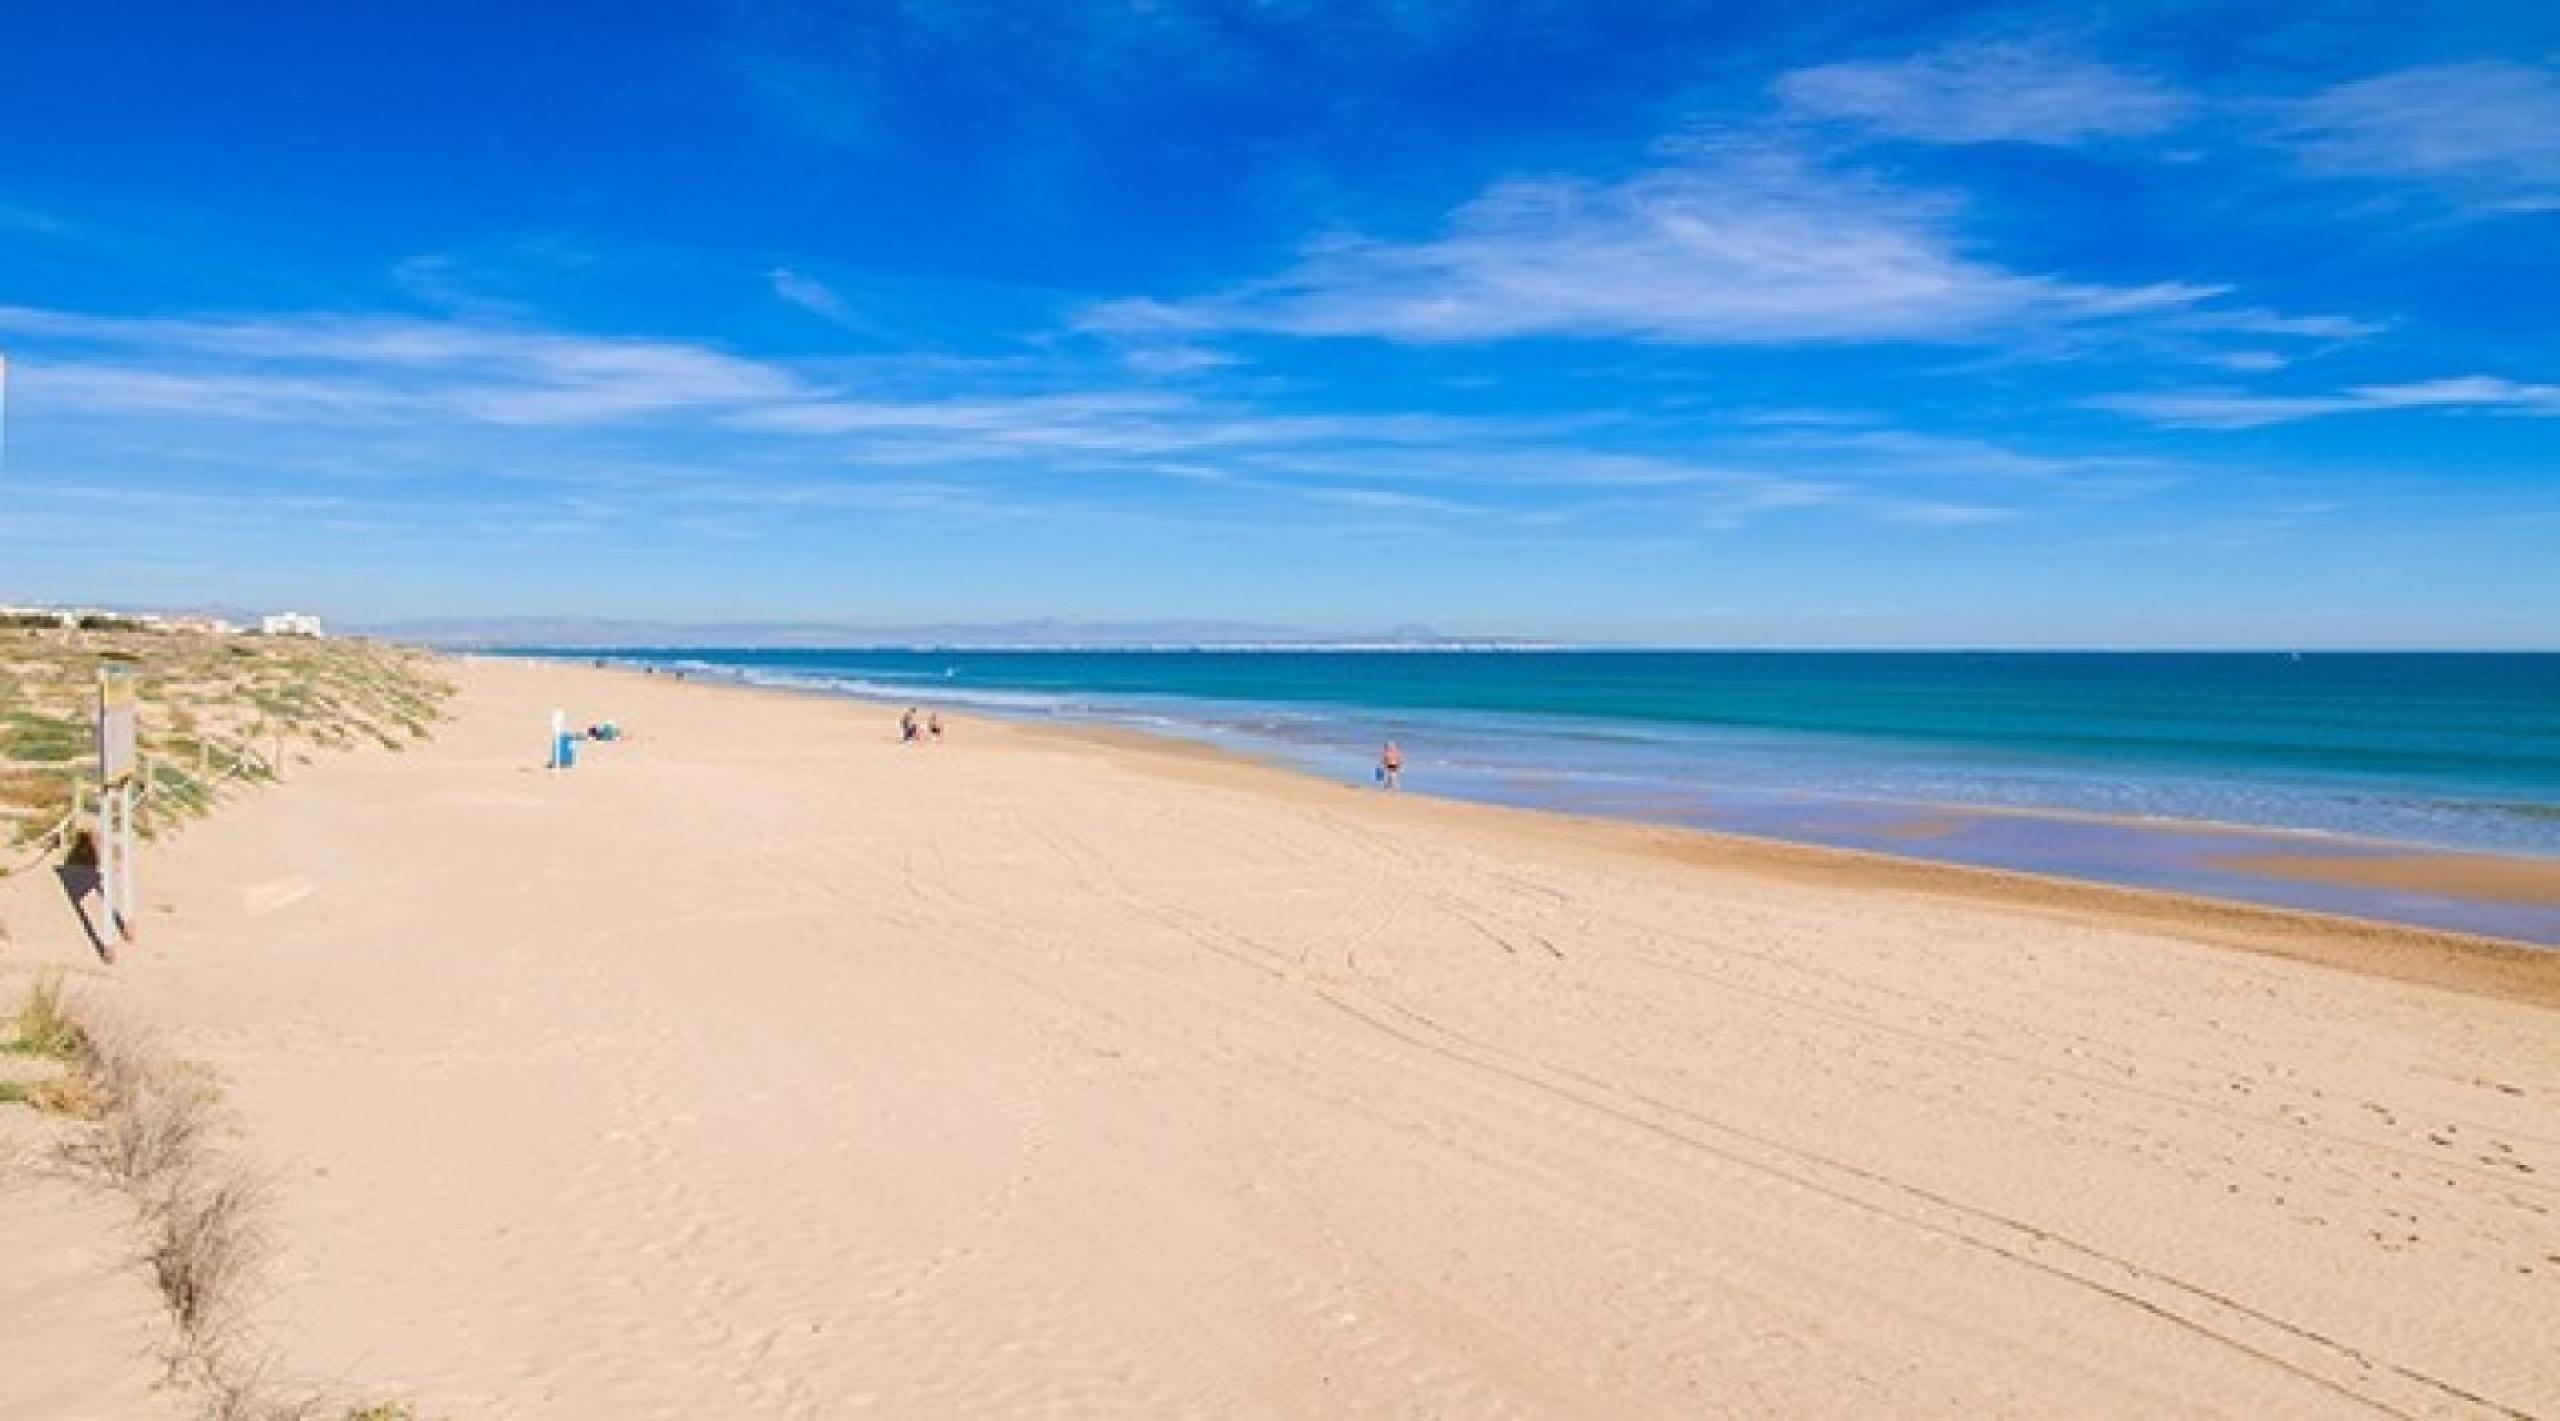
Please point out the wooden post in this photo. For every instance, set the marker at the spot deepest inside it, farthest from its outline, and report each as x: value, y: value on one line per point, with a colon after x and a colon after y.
x: 117, y: 761
x: 125, y: 914
x: 105, y: 850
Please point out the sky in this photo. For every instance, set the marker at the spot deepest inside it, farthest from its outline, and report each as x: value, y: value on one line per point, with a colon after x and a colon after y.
x: 1867, y: 324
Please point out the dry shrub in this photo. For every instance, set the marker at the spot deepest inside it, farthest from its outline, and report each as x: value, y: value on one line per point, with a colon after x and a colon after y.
x: 152, y: 1126
x: 152, y: 1132
x: 226, y: 1396
x: 204, y: 1245
x: 230, y: 1390
x: 45, y: 1023
x: 50, y: 1026
x: 251, y: 1396
x: 75, y: 1094
x: 151, y: 1118
x: 117, y: 1056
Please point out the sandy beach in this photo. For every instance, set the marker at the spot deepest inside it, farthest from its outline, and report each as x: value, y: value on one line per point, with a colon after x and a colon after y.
x: 762, y: 1066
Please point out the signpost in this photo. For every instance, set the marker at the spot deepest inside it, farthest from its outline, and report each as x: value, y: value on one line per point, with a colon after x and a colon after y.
x: 117, y: 766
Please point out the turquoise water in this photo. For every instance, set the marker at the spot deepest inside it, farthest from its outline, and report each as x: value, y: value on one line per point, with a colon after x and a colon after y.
x: 2456, y: 751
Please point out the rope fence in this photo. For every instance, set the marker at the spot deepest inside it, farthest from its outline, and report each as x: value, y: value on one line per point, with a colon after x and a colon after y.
x: 245, y: 761
x: 52, y: 841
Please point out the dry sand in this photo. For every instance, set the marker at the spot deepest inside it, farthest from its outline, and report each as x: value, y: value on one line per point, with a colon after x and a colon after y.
x: 764, y: 1067
x: 82, y: 1331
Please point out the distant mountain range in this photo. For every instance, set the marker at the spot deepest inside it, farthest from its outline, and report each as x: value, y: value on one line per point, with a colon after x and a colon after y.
x: 597, y: 632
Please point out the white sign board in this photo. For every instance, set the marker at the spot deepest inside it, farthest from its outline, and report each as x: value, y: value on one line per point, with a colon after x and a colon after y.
x: 116, y: 706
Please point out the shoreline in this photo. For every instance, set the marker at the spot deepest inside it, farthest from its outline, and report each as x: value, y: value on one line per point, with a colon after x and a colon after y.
x: 2417, y: 951
x: 2473, y: 962
x: 992, y: 701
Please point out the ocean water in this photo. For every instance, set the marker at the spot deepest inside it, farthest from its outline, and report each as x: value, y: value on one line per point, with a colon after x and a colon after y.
x: 2107, y: 763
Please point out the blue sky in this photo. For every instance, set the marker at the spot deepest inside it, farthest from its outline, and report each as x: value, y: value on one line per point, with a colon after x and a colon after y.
x: 1868, y: 324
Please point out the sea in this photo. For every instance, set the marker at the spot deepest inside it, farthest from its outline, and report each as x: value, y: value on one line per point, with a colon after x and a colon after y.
x: 2148, y: 769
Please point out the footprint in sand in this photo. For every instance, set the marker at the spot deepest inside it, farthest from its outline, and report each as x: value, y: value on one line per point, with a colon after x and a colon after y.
x: 487, y: 799
x: 275, y: 895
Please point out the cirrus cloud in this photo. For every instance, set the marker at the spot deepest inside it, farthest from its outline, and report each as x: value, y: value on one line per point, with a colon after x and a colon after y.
x: 1746, y: 247
x: 2235, y: 409
x: 2485, y: 135
x: 1992, y: 91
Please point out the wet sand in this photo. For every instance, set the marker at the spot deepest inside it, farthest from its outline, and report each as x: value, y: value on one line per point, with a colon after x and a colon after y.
x: 2535, y: 882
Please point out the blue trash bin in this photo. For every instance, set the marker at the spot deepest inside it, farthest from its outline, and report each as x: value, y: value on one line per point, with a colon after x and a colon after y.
x: 564, y: 751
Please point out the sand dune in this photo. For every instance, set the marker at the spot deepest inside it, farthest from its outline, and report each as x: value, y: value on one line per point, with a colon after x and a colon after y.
x: 763, y: 1067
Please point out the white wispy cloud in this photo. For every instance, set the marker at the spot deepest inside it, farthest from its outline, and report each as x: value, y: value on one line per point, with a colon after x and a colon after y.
x: 338, y: 369
x: 2259, y: 321
x: 1562, y: 484
x: 2218, y: 409
x: 1715, y: 247
x: 2464, y: 390
x: 1907, y: 453
x: 663, y: 428
x: 810, y: 294
x: 1987, y: 91
x: 1145, y: 426
x: 2234, y: 409
x: 2485, y: 135
x: 348, y: 367
x: 1385, y: 500
x: 1929, y: 514
x: 2249, y: 362
x: 1175, y: 359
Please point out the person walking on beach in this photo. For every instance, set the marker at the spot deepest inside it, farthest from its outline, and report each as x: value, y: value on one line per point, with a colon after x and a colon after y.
x: 1391, y: 766
x: 907, y: 727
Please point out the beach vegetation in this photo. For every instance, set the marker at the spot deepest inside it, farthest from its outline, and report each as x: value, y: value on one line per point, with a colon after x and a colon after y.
x: 181, y: 792
x: 150, y: 1129
x: 71, y: 1095
x: 216, y: 712
x: 149, y: 1135
x: 44, y: 1026
x: 31, y: 738
x: 205, y: 1241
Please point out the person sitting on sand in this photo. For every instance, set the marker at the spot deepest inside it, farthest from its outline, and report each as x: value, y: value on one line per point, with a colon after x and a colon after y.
x: 1391, y: 765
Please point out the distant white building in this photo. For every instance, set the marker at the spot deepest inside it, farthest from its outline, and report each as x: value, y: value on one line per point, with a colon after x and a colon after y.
x: 188, y: 622
x: 289, y: 624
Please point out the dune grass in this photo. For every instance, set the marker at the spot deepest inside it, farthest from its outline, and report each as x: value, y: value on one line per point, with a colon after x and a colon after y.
x: 43, y: 1027
x: 149, y: 1134
x: 216, y: 712
x: 205, y: 1243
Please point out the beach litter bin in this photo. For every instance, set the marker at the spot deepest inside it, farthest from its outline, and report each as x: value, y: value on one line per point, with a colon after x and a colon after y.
x: 564, y: 751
